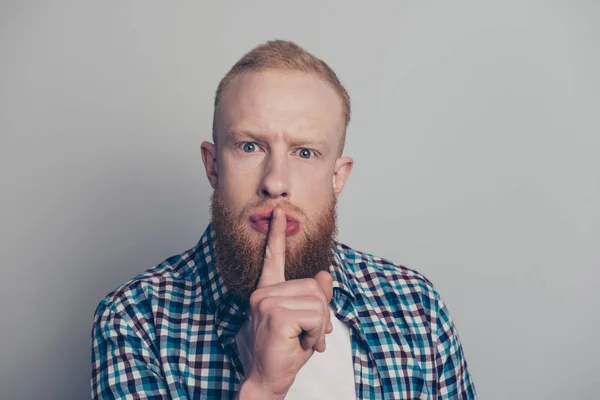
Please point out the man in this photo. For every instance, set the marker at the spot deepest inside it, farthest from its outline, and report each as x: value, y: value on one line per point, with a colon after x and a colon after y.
x: 268, y: 305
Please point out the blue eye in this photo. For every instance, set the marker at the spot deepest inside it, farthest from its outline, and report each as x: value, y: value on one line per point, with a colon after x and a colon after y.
x: 305, y: 153
x: 250, y: 147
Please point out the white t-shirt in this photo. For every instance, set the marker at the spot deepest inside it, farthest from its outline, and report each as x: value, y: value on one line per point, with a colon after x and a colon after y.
x: 328, y: 375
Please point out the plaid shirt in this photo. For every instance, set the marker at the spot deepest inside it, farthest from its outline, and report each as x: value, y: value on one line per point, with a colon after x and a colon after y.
x: 170, y: 332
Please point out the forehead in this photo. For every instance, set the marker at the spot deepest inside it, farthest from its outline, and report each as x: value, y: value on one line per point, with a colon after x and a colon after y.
x: 275, y: 102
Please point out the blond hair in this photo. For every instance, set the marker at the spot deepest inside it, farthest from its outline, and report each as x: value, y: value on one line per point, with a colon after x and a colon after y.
x: 285, y: 55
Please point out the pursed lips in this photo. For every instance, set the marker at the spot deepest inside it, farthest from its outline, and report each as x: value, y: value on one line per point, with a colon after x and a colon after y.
x: 261, y: 222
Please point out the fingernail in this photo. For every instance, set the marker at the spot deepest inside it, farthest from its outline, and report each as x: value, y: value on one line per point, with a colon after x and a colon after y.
x: 330, y: 329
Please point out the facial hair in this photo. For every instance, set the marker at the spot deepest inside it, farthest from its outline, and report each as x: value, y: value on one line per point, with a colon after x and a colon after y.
x: 240, y: 249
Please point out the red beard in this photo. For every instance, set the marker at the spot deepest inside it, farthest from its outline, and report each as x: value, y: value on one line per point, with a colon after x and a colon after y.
x: 240, y: 250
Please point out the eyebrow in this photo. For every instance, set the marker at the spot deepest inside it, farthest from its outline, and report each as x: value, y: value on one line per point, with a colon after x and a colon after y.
x: 262, y: 139
x: 245, y: 135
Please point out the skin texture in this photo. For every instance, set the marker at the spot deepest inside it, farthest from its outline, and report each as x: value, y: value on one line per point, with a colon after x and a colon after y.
x: 278, y: 137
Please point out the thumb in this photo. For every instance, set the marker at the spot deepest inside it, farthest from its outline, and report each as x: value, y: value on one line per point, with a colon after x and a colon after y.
x: 326, y: 282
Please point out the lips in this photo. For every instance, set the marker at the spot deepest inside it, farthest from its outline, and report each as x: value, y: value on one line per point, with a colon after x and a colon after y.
x: 261, y: 222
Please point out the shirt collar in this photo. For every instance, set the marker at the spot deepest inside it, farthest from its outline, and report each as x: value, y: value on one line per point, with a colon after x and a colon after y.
x: 342, y: 279
x: 214, y: 291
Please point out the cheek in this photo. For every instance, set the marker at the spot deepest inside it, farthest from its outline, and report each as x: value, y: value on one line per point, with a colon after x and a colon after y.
x: 313, y: 192
x: 238, y: 182
x: 318, y: 174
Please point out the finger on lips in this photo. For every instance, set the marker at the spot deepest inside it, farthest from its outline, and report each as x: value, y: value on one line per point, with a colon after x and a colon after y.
x: 305, y: 301
x: 273, y: 271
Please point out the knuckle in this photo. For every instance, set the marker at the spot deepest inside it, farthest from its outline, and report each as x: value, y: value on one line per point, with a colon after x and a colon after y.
x: 317, y: 318
x: 321, y: 319
x: 320, y: 306
x: 265, y: 305
x: 256, y: 297
x: 323, y: 346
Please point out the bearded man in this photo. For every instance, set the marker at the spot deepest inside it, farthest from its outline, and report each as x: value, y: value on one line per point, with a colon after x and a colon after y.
x: 268, y: 305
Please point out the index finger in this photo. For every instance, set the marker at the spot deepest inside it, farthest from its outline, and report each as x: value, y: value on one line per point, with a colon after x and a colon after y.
x: 273, y: 270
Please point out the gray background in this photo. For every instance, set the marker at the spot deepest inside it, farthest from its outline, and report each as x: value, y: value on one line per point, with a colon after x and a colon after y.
x: 476, y: 133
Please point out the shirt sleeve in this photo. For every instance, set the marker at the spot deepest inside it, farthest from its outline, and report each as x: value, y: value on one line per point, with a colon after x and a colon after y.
x: 123, y: 365
x: 453, y: 378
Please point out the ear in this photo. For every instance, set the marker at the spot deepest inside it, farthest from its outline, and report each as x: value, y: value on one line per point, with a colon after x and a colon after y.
x: 209, y: 158
x: 343, y: 167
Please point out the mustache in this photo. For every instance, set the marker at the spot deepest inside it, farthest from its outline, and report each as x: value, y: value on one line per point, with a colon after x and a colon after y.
x: 271, y: 205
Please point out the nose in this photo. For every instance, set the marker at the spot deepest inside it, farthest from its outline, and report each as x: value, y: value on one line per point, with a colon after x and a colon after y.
x: 275, y: 182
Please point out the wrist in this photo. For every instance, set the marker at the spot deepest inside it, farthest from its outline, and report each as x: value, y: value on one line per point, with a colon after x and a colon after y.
x: 253, y: 390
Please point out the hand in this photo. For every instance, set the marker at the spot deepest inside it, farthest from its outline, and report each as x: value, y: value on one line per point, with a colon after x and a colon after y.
x: 289, y: 320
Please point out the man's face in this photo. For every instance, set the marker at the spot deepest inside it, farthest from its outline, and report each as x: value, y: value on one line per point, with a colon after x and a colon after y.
x: 278, y: 135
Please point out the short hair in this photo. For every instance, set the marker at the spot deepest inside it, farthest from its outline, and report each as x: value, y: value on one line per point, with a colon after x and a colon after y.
x: 285, y: 55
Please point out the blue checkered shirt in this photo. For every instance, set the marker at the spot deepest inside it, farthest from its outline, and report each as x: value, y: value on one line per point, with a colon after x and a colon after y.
x: 169, y: 333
